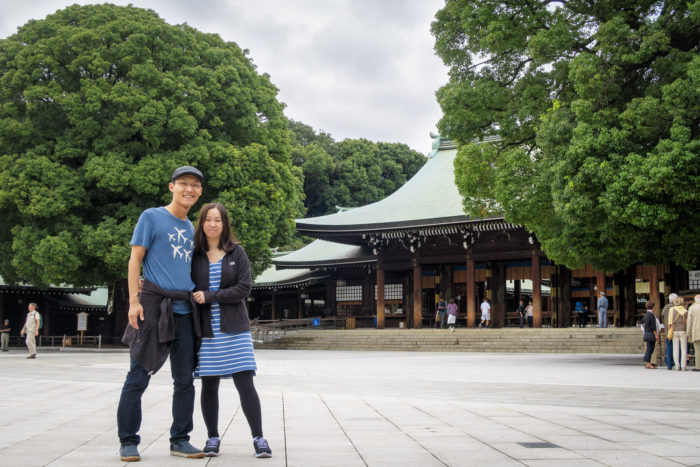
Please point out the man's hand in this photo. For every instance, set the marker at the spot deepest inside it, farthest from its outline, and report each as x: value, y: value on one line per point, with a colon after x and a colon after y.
x: 36, y: 333
x: 135, y: 314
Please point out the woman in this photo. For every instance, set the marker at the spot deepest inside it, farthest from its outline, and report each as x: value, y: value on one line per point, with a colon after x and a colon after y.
x: 530, y: 310
x: 678, y: 318
x: 221, y: 274
x: 452, y: 314
x: 651, y: 334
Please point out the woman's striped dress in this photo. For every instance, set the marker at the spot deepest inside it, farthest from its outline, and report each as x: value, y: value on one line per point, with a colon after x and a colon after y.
x: 225, y: 353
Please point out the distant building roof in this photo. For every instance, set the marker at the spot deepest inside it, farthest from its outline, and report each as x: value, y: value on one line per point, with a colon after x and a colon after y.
x: 429, y: 198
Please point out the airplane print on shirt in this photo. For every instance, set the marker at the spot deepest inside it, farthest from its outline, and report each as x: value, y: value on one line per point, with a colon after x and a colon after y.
x: 180, y: 243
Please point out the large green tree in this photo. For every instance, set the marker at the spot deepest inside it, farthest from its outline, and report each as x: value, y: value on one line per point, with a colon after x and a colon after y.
x: 349, y: 173
x: 597, y: 107
x: 98, y: 105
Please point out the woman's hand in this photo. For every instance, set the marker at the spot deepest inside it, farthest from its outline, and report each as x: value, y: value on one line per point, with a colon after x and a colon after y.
x: 198, y: 297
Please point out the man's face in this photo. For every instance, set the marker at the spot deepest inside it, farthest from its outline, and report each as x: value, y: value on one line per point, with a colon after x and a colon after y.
x: 186, y: 190
x: 31, y: 307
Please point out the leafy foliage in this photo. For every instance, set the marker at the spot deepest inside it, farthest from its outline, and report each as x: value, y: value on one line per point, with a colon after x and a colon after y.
x: 353, y: 172
x: 597, y: 106
x: 98, y: 105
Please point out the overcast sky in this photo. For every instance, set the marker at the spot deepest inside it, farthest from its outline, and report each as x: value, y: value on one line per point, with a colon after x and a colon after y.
x: 352, y: 68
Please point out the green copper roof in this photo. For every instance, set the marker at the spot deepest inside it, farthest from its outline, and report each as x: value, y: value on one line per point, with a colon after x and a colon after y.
x: 429, y: 198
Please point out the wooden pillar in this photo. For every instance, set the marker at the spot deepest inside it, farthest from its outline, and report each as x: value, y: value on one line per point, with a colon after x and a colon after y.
x: 274, y: 301
x: 330, y: 309
x: 654, y: 287
x: 600, y: 284
x: 536, y: 290
x: 471, y: 306
x: 380, y: 297
x: 417, y: 299
x: 300, y: 304
x: 498, y: 297
x: 564, y: 299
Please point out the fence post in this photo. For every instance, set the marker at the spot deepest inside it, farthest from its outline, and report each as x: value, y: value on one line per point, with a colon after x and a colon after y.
x: 99, y: 341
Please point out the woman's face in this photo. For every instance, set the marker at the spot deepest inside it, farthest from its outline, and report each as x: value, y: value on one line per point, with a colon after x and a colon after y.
x: 213, y: 225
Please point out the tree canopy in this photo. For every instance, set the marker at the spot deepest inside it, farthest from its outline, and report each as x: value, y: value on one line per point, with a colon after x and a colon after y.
x: 597, y: 107
x: 98, y: 105
x: 349, y: 173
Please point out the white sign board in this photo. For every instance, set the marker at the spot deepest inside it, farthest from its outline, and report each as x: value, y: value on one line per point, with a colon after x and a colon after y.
x: 694, y: 276
x: 82, y: 321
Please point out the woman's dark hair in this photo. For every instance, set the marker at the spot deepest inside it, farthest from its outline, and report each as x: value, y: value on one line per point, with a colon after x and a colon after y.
x: 649, y: 305
x: 227, y: 242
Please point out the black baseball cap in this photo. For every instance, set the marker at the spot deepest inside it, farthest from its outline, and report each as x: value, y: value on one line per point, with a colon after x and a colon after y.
x: 187, y: 170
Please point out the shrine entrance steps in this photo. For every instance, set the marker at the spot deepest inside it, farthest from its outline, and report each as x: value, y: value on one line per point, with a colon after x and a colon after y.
x: 545, y: 340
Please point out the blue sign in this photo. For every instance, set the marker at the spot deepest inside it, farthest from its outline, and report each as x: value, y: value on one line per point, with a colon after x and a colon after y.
x: 316, y: 322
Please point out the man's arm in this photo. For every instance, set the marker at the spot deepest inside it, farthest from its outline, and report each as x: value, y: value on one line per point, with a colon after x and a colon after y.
x: 135, y: 309
x: 38, y: 323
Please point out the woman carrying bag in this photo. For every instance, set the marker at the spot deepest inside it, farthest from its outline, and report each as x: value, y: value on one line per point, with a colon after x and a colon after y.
x: 677, y: 319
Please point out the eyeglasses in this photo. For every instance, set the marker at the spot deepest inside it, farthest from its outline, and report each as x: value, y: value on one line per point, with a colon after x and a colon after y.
x: 194, y: 186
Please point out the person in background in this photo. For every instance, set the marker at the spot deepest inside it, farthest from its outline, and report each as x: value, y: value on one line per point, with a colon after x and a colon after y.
x: 452, y: 314
x: 530, y: 311
x: 581, y: 315
x: 522, y: 314
x: 5, y: 335
x: 678, y: 318
x: 651, y: 334
x: 694, y: 329
x: 602, y: 311
x: 31, y: 328
x: 442, y: 312
x: 664, y: 320
x: 221, y: 273
x: 485, y: 313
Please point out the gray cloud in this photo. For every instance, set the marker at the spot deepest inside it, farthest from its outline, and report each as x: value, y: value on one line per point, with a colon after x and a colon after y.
x: 353, y: 68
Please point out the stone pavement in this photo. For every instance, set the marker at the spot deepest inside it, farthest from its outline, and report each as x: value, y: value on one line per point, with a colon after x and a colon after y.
x: 335, y: 408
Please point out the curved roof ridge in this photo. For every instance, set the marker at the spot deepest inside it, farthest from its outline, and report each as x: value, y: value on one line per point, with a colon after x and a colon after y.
x: 431, y: 194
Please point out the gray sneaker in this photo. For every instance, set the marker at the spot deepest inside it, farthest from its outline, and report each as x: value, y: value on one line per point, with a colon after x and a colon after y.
x: 262, y: 449
x: 129, y: 453
x: 183, y: 448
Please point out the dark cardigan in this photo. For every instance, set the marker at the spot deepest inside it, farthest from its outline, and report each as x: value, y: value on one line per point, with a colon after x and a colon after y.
x: 235, y: 286
x: 149, y: 345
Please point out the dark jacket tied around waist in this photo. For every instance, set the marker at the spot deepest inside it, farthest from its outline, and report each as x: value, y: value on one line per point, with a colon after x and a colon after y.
x: 235, y: 286
x: 149, y: 345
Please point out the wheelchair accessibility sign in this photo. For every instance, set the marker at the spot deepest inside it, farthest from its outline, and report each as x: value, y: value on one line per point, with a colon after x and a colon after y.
x: 316, y: 322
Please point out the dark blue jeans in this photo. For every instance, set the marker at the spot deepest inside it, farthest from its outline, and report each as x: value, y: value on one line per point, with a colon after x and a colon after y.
x: 181, y: 366
x: 669, y: 354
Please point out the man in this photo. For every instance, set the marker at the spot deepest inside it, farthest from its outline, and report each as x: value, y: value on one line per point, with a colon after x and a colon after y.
x: 442, y: 311
x: 602, y: 311
x: 665, y: 312
x: 163, y: 320
x: 31, y: 326
x: 5, y: 333
x: 694, y: 329
x: 521, y: 313
x: 485, y: 313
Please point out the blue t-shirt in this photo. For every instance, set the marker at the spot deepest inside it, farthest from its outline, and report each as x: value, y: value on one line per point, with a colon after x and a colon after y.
x: 169, y: 242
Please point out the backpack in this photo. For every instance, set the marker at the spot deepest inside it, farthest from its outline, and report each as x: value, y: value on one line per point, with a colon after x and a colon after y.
x: 579, y: 307
x: 41, y: 320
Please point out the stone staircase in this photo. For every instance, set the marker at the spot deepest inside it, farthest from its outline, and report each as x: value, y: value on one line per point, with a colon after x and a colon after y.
x: 545, y: 340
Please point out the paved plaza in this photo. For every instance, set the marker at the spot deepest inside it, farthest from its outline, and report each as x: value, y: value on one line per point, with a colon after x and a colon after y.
x: 334, y: 408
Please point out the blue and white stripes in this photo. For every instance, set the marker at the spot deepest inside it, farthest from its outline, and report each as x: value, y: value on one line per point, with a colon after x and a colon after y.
x: 225, y: 353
